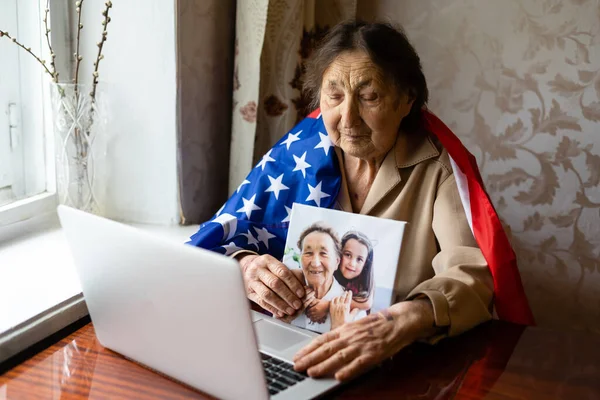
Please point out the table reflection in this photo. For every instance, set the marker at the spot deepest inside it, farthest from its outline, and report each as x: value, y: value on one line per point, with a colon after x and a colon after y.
x: 495, y: 360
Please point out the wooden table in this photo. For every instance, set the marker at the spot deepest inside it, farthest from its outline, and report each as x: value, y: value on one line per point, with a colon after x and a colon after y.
x: 496, y: 361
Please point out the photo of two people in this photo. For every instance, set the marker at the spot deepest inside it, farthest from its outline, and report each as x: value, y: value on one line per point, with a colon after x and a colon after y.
x: 346, y: 261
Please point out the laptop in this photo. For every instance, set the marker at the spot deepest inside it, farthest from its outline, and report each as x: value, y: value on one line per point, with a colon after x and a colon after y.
x: 183, y: 312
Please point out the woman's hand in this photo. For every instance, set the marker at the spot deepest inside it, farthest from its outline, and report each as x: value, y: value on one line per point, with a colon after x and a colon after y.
x: 271, y: 285
x: 340, y: 310
x: 318, y: 312
x: 355, y: 347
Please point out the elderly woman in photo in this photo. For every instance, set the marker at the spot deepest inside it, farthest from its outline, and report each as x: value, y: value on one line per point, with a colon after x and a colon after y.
x: 367, y: 80
x: 320, y: 258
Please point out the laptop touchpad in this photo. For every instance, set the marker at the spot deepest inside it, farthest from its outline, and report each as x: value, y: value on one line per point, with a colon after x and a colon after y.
x: 277, y: 337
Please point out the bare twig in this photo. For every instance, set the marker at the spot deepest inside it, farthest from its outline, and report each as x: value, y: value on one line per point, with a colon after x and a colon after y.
x: 78, y: 57
x: 27, y: 49
x: 100, y: 46
x: 52, y: 55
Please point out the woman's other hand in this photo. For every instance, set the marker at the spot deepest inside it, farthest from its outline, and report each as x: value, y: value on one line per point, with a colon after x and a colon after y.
x: 271, y: 285
x: 318, y: 312
x: 340, y: 310
x: 356, y: 347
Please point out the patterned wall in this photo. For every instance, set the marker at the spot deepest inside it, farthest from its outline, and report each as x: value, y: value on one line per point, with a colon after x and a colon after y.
x: 519, y: 82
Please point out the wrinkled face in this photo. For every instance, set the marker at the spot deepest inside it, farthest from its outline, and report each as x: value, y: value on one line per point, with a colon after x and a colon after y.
x: 361, y: 110
x: 354, y: 255
x: 319, y: 258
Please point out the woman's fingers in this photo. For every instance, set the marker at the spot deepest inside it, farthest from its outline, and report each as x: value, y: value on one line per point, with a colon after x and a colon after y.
x: 315, y: 344
x: 269, y: 297
x: 283, y: 273
x: 333, y: 363
x: 356, y: 367
x: 310, y: 295
x: 280, y: 293
x: 346, y: 300
x: 279, y: 287
x: 258, y: 300
x: 322, y: 353
x: 310, y: 303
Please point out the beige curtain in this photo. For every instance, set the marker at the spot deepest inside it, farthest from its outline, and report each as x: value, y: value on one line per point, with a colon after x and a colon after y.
x: 205, y: 32
x: 518, y: 81
x: 272, y: 39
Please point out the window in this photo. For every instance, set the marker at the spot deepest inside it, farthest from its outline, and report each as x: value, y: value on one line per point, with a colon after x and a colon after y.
x: 11, y: 154
x: 26, y: 161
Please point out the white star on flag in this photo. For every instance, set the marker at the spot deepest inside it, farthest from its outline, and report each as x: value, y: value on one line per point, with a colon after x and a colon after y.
x: 301, y: 164
x: 229, y: 224
x: 266, y: 159
x: 276, y: 186
x: 231, y: 248
x: 249, y: 206
x: 264, y: 235
x: 324, y: 144
x: 289, y: 214
x: 251, y: 239
x: 316, y: 194
x: 242, y: 184
x: 292, y: 137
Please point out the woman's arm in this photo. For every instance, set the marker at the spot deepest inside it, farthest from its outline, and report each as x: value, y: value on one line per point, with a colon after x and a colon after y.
x: 461, y: 290
x: 355, y: 347
x: 363, y: 304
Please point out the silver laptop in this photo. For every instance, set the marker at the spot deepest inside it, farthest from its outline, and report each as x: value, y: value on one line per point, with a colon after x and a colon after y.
x: 182, y: 311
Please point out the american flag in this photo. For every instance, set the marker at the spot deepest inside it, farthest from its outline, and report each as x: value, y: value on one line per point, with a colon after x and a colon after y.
x: 303, y: 168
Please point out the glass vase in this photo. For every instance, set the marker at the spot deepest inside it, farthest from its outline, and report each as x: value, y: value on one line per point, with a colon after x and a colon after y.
x: 80, y: 119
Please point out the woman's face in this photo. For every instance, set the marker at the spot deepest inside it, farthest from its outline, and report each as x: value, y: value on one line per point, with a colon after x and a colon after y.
x: 319, y: 258
x: 361, y: 110
x: 354, y: 255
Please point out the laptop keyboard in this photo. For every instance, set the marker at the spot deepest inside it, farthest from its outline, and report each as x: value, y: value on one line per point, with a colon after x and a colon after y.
x: 280, y: 375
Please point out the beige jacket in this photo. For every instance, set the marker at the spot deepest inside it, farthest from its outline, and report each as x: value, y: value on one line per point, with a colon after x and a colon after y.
x: 439, y: 258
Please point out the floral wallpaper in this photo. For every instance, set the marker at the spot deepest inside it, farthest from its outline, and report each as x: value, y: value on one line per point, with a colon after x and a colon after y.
x: 519, y: 82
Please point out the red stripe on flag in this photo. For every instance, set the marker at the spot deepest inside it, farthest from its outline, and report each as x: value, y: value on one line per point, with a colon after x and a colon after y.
x: 314, y: 114
x: 510, y: 299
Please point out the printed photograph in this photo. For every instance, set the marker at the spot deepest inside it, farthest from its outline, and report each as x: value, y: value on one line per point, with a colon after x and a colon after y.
x: 346, y: 261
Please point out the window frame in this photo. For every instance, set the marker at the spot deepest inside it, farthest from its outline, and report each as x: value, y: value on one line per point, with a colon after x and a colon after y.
x: 38, y: 149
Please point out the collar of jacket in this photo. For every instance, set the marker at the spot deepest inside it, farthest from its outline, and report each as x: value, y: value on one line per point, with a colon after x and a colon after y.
x: 409, y: 150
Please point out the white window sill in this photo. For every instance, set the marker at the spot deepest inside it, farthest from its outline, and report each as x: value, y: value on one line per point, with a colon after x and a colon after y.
x: 39, y: 290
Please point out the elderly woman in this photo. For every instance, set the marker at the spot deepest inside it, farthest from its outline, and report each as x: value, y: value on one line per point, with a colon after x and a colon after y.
x: 320, y: 258
x: 368, y: 82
